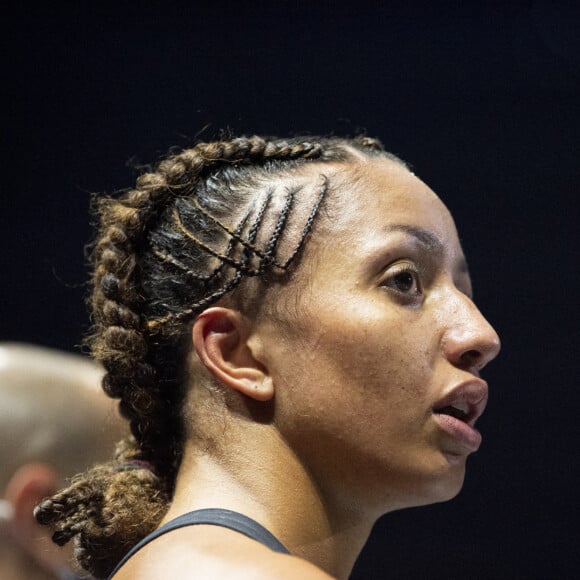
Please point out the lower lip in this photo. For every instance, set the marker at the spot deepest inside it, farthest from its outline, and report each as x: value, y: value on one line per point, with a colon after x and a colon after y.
x: 468, y: 437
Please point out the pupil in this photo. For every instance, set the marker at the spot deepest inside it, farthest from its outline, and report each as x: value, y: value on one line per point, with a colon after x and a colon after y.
x: 405, y: 281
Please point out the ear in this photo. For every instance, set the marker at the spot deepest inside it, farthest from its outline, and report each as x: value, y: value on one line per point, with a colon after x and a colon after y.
x: 221, y: 340
x: 29, y: 485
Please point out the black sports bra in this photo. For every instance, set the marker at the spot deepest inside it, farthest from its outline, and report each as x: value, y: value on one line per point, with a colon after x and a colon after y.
x: 216, y: 517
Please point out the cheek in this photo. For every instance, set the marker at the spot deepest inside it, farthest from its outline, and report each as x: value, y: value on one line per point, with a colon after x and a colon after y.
x: 358, y: 362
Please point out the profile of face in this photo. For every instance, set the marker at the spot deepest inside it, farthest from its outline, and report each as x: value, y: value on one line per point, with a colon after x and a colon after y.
x: 375, y: 348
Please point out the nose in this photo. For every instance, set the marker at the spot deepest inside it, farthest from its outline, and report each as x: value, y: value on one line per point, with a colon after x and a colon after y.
x: 469, y: 342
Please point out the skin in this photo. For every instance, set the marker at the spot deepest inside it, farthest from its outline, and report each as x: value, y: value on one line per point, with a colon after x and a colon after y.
x: 55, y: 421
x: 328, y: 394
x: 385, y: 332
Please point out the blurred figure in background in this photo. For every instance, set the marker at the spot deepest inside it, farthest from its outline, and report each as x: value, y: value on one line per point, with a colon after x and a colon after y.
x: 55, y: 421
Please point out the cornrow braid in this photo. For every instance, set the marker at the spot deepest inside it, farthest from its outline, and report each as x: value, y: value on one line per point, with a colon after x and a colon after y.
x: 187, y: 234
x: 241, y: 267
x: 115, y: 302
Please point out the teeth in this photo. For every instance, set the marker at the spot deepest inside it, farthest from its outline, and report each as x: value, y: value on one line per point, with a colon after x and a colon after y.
x: 461, y: 406
x: 458, y: 410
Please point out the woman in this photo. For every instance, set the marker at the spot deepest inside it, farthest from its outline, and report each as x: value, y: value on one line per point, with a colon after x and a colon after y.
x: 289, y: 329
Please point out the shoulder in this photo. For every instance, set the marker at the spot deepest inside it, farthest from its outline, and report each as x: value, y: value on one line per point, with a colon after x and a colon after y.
x: 211, y: 552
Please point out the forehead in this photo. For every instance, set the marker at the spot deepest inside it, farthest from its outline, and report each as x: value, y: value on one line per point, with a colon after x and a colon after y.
x: 373, y: 197
x: 390, y: 192
x: 375, y: 211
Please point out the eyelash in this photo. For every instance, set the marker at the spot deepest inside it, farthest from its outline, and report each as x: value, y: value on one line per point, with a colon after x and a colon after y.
x: 402, y: 269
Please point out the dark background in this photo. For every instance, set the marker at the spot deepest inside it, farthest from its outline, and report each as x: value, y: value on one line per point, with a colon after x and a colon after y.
x: 481, y: 98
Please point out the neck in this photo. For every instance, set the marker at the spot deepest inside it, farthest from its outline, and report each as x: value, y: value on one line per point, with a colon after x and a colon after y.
x: 263, y: 479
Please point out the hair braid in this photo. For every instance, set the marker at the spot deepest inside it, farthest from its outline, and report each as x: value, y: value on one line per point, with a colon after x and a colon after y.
x: 184, y: 236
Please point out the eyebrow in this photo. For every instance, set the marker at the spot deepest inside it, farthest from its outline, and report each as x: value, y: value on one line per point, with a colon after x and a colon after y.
x: 427, y: 239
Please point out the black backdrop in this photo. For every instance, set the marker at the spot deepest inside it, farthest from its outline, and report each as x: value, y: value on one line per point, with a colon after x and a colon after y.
x: 482, y: 98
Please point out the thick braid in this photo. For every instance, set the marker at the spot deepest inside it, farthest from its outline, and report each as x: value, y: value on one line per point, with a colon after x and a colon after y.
x: 115, y: 294
x: 159, y: 259
x: 121, y: 347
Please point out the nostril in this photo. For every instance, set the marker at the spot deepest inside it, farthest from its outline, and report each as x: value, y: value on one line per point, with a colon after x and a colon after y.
x: 472, y: 358
x: 470, y: 346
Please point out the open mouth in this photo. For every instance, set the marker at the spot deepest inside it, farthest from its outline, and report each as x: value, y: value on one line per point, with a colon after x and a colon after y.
x: 458, y: 421
x: 460, y: 411
x: 457, y: 412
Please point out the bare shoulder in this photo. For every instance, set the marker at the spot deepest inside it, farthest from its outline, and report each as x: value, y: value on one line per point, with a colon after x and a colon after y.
x: 211, y: 552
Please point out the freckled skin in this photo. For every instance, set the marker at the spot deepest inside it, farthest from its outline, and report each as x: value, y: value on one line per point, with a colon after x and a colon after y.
x: 358, y: 370
x: 370, y: 331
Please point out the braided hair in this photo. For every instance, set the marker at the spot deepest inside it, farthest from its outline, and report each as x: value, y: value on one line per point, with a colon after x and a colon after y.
x: 186, y: 234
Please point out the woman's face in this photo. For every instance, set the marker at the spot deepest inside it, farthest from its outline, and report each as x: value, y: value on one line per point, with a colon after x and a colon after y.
x: 376, y: 359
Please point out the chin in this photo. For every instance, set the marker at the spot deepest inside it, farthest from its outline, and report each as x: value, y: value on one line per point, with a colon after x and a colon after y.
x: 444, y: 483
x: 438, y: 485
x: 449, y: 484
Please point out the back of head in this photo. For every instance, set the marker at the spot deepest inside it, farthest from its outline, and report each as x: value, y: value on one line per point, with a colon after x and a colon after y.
x: 54, y: 423
x: 190, y: 232
x: 51, y: 410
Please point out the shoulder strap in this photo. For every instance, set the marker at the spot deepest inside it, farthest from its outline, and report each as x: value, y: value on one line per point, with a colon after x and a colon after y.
x: 216, y: 517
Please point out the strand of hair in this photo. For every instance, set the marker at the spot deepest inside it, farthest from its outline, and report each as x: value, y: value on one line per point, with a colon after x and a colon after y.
x: 230, y: 261
x: 223, y: 227
x: 321, y: 194
x: 281, y: 222
x: 180, y: 316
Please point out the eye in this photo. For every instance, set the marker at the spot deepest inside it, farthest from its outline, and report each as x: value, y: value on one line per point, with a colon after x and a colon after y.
x: 405, y: 280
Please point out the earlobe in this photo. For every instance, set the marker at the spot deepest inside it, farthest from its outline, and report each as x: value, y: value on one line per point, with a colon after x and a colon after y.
x: 220, y: 339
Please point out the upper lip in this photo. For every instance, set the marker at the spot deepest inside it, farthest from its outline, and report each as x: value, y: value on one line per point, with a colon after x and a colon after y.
x: 472, y: 394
